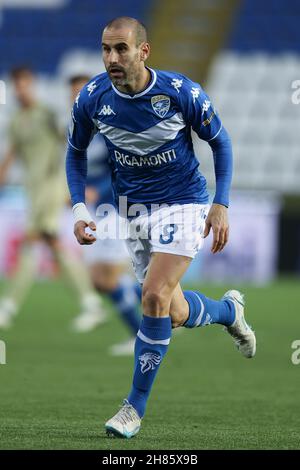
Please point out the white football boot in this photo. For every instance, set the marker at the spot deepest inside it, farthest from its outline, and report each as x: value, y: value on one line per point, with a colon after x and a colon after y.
x: 88, y: 321
x: 126, y: 423
x: 92, y: 315
x: 241, y: 332
x: 123, y: 349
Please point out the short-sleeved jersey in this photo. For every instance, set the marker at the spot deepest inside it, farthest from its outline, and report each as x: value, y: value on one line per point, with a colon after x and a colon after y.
x: 35, y: 138
x: 148, y: 135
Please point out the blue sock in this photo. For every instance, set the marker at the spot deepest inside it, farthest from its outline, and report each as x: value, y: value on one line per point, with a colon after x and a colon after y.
x: 205, y: 311
x: 127, y: 303
x: 150, y: 347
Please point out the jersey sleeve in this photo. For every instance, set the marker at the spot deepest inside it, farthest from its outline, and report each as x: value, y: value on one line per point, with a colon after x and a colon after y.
x: 200, y: 114
x: 198, y: 110
x: 81, y: 132
x: 81, y: 128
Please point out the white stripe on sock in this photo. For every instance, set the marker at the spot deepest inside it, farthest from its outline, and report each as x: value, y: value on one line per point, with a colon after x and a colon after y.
x: 199, y: 318
x: 152, y: 341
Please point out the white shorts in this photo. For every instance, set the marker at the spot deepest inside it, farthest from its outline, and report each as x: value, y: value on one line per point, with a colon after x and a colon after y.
x: 176, y: 229
x: 108, y: 248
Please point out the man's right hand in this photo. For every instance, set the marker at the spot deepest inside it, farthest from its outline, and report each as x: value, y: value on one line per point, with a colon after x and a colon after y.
x: 84, y: 238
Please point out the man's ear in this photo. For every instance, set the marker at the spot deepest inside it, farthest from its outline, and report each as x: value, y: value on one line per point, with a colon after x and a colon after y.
x: 145, y: 51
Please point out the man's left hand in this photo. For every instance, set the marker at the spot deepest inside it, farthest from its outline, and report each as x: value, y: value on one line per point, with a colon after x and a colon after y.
x: 217, y: 220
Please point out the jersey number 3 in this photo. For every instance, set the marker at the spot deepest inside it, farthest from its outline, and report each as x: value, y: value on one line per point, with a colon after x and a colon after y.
x: 168, y: 234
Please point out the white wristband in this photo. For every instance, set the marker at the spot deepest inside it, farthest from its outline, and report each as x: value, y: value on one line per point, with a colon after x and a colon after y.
x: 80, y: 212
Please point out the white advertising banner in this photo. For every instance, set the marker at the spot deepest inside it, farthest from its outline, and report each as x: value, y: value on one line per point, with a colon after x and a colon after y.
x: 252, y: 249
x: 250, y: 255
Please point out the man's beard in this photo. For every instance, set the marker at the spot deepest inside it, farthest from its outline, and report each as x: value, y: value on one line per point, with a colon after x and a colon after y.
x: 119, y: 81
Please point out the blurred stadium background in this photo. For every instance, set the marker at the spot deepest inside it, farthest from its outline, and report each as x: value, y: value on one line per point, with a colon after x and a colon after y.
x: 246, y: 54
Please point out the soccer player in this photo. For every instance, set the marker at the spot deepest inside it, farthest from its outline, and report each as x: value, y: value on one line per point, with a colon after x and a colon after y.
x: 36, y: 141
x: 146, y: 117
x: 107, y: 257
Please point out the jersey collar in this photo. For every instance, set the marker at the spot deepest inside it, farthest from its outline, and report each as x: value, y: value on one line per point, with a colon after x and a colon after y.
x: 142, y: 93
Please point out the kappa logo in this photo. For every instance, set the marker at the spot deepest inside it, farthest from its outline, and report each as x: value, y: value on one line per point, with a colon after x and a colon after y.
x: 207, y: 320
x: 160, y: 104
x: 106, y: 110
x: 205, y: 106
x: 177, y: 84
x: 149, y: 361
x: 91, y: 87
x: 195, y: 93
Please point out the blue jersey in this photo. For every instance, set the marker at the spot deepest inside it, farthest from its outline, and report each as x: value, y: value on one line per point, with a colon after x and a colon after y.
x: 148, y: 136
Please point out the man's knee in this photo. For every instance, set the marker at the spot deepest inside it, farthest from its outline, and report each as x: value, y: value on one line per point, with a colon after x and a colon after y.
x: 105, y: 286
x: 105, y: 278
x: 155, y: 301
x: 53, y: 242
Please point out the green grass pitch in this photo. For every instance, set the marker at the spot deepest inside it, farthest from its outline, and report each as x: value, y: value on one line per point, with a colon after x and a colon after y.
x: 58, y: 388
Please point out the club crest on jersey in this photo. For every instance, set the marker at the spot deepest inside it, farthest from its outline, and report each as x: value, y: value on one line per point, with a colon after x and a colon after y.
x: 160, y: 105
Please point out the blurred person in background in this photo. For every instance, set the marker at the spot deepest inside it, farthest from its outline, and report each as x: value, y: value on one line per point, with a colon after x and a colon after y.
x: 35, y: 139
x: 108, y: 258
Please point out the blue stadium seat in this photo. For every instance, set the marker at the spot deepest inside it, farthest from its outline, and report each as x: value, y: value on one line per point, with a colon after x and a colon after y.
x: 269, y: 25
x: 50, y: 32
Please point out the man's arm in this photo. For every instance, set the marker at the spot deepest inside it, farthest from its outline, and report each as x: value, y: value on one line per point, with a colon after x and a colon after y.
x: 200, y: 113
x: 217, y: 219
x: 81, y: 132
x: 76, y: 170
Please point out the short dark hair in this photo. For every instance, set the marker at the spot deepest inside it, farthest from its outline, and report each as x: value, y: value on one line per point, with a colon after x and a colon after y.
x: 21, y: 71
x: 78, y: 78
x: 140, y: 28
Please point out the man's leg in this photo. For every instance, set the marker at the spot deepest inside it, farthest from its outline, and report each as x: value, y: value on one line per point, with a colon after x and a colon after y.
x: 164, y: 306
x: 163, y: 299
x: 21, y: 282
x: 79, y: 278
x: 164, y: 273
x: 193, y: 309
x: 109, y: 278
x: 107, y: 260
x: 127, y: 301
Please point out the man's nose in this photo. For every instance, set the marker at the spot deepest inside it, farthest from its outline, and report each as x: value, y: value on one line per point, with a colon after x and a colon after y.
x: 113, y: 57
